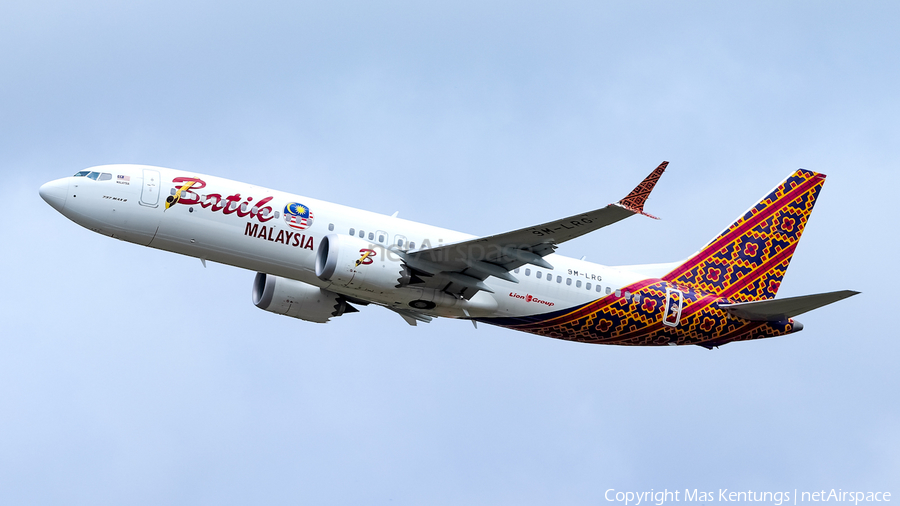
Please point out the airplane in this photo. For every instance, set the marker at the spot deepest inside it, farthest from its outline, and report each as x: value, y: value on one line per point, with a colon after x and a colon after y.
x: 317, y: 260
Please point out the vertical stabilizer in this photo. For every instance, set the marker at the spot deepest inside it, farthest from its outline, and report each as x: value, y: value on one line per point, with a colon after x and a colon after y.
x: 748, y: 260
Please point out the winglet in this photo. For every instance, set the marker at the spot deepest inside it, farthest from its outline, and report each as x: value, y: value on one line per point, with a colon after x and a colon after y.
x: 635, y: 200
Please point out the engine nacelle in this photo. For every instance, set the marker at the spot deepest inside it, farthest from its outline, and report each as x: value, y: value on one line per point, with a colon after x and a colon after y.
x: 297, y: 299
x: 350, y: 262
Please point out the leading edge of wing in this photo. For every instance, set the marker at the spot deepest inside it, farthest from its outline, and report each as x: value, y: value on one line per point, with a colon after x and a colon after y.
x: 540, y: 239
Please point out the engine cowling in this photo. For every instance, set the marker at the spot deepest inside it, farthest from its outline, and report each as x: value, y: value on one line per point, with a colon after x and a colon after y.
x: 297, y: 299
x: 351, y: 262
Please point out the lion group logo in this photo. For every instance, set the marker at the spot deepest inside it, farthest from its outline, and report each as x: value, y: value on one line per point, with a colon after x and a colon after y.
x: 298, y: 216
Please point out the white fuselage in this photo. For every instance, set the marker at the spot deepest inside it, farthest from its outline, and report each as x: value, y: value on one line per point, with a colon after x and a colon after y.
x: 131, y: 206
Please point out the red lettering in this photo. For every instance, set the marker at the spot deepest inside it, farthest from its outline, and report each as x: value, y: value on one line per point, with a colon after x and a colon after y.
x: 280, y: 237
x: 188, y: 197
x: 241, y: 212
x: 228, y: 205
x: 231, y: 204
x: 262, y: 232
x: 265, y: 213
x: 213, y: 199
x: 309, y: 244
x: 298, y: 239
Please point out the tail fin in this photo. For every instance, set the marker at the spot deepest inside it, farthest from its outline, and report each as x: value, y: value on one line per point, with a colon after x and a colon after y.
x: 748, y: 260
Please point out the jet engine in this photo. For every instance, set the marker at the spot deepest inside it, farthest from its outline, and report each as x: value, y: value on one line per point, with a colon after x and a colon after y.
x: 350, y: 262
x: 297, y: 299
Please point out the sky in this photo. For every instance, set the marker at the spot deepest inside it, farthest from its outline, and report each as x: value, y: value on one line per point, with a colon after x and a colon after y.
x: 135, y: 376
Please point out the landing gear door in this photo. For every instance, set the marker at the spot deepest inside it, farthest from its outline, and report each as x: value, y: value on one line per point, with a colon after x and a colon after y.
x: 672, y: 308
x: 150, y: 189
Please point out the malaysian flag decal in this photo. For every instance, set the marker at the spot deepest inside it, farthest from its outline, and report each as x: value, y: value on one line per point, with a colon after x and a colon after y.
x: 298, y: 216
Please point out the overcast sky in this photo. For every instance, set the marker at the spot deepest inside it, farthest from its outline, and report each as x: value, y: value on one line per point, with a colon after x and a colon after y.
x: 135, y: 376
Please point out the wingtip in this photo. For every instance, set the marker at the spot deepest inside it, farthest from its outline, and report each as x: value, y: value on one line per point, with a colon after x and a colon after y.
x: 636, y: 199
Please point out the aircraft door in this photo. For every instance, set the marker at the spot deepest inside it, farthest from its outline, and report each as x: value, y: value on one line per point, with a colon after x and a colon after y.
x: 672, y: 307
x: 150, y: 189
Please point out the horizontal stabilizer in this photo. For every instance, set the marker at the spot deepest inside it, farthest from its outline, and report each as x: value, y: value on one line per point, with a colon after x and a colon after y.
x: 774, y: 310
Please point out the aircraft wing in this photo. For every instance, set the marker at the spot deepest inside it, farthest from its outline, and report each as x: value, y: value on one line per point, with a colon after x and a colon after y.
x: 461, y: 268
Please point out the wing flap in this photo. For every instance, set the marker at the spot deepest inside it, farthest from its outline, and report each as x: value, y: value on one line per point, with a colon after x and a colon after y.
x: 774, y: 310
x: 412, y: 317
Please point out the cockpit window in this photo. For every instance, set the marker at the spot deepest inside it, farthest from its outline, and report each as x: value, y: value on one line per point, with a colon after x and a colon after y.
x: 93, y: 175
x: 106, y: 176
x: 82, y: 173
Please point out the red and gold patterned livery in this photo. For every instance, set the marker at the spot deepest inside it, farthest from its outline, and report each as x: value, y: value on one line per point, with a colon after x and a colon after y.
x: 699, y: 301
x: 317, y: 260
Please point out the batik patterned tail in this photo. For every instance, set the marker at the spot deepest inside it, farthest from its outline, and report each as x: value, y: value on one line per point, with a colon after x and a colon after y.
x: 748, y: 260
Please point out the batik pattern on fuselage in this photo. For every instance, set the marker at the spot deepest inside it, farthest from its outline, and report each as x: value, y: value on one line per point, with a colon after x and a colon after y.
x: 746, y: 262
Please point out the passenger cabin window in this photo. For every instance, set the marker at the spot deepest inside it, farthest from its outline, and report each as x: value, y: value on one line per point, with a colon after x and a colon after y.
x: 636, y: 297
x: 618, y: 293
x: 331, y: 227
x: 559, y: 279
x: 93, y: 175
x: 380, y: 237
x: 412, y: 245
x: 569, y: 281
x: 362, y: 235
x: 82, y: 173
x: 528, y: 272
x: 537, y: 274
x: 599, y: 288
x: 587, y: 286
x: 608, y: 290
x: 106, y: 176
x: 517, y: 270
x: 371, y: 236
x: 578, y: 284
x: 352, y: 231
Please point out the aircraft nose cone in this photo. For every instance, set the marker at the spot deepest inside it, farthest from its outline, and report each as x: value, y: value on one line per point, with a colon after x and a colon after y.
x: 55, y: 193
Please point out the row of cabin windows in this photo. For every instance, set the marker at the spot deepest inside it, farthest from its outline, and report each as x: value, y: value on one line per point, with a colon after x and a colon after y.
x: 379, y: 237
x: 587, y: 285
x: 401, y: 242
